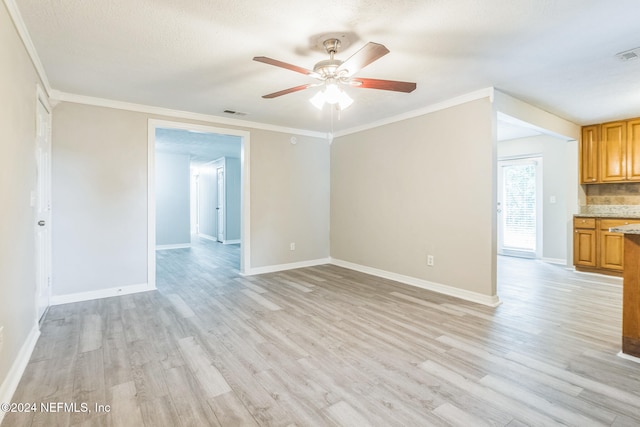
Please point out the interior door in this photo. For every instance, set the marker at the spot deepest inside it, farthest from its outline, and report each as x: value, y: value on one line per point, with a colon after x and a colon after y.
x: 520, y: 207
x: 220, y: 204
x: 43, y: 208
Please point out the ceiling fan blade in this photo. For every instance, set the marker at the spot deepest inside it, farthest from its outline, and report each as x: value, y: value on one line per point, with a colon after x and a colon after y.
x: 285, y: 65
x: 286, y: 91
x: 384, y: 85
x: 365, y: 56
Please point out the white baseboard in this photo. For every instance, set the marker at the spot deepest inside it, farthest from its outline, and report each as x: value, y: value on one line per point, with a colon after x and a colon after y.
x: 629, y: 357
x: 283, y: 267
x: 232, y: 242
x: 206, y: 236
x: 559, y: 261
x: 178, y: 246
x: 102, y: 293
x: 10, y: 383
x: 491, y: 301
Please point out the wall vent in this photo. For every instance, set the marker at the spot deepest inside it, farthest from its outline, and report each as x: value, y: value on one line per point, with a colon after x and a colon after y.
x: 629, y: 55
x: 235, y: 113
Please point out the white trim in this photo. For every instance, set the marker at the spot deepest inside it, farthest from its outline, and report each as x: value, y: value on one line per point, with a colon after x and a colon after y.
x: 43, y: 99
x: 207, y: 237
x: 177, y: 246
x: 23, y: 32
x: 245, y: 185
x: 463, y: 99
x: 491, y: 301
x: 232, y: 242
x: 629, y: 357
x: 560, y: 261
x: 289, y: 266
x: 10, y: 383
x: 168, y: 112
x: 101, y: 293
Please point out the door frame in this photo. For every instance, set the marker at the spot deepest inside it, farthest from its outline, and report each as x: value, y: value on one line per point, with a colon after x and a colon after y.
x: 221, y: 232
x: 245, y: 205
x: 538, y: 160
x: 46, y: 251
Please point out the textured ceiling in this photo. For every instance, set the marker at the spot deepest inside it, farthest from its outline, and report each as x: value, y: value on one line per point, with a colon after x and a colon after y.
x: 196, y: 55
x: 203, y: 147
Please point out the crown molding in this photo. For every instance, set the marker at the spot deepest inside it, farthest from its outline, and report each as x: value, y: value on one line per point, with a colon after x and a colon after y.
x: 462, y: 99
x: 21, y: 27
x: 167, y: 112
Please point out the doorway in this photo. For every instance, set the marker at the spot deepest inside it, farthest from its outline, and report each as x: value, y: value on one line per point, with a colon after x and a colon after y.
x: 520, y: 207
x: 241, y: 141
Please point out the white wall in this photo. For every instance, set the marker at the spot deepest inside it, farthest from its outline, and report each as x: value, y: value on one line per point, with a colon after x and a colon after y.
x: 555, y: 155
x: 421, y: 186
x: 18, y: 80
x: 172, y: 199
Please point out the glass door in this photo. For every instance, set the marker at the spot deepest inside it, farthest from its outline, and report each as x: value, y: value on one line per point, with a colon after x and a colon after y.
x: 520, y: 207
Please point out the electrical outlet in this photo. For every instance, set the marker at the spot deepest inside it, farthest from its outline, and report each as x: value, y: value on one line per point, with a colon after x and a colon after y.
x: 430, y: 260
x: 1, y: 338
x: 292, y: 246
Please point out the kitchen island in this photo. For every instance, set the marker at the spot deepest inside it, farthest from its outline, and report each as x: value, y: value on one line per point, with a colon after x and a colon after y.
x: 631, y: 290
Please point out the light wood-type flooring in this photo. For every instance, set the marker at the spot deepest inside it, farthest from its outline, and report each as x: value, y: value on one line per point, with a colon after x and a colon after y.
x: 327, y: 346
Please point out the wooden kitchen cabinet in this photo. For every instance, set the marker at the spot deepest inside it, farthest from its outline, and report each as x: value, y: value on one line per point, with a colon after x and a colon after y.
x: 584, y: 242
x: 612, y: 244
x: 610, y: 152
x: 613, y: 152
x: 589, y: 154
x: 595, y: 248
x: 633, y: 150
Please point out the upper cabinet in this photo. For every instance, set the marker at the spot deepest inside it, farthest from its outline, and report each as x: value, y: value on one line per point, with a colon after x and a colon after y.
x: 589, y: 154
x: 633, y: 150
x: 613, y: 152
x: 610, y: 152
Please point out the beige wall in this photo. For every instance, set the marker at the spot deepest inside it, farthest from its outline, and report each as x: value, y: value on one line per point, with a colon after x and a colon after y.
x: 100, y: 197
x: 417, y: 187
x: 18, y: 81
x: 289, y: 199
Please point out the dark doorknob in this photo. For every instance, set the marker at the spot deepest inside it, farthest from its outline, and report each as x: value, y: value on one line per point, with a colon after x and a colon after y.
x: 41, y: 223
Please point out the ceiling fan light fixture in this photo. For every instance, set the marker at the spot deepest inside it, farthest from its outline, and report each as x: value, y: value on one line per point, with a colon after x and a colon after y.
x: 318, y: 100
x: 331, y: 94
x: 344, y: 101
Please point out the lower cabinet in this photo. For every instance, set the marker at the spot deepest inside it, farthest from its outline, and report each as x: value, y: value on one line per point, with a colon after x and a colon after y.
x: 595, y: 248
x: 584, y: 242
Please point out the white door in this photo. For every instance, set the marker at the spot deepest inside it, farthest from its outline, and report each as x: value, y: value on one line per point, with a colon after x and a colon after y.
x: 43, y: 208
x: 220, y: 205
x: 520, y: 207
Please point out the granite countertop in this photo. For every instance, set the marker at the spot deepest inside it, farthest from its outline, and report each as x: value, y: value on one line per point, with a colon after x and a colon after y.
x: 608, y: 215
x: 610, y: 211
x: 626, y: 229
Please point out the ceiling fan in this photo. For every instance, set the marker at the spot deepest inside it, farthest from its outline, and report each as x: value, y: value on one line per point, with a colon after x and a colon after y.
x: 334, y: 73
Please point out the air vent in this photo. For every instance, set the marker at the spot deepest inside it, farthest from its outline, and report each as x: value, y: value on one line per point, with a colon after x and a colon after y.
x: 629, y: 55
x: 235, y: 113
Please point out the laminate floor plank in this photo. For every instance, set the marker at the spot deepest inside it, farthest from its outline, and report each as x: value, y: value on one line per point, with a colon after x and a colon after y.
x: 325, y: 345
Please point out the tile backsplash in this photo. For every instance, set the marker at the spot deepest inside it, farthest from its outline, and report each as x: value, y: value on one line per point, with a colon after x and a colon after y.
x: 613, y: 194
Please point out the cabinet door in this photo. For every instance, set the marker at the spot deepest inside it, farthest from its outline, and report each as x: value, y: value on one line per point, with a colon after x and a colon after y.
x: 633, y: 150
x: 611, y: 250
x: 584, y: 247
x: 613, y: 149
x: 589, y: 154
